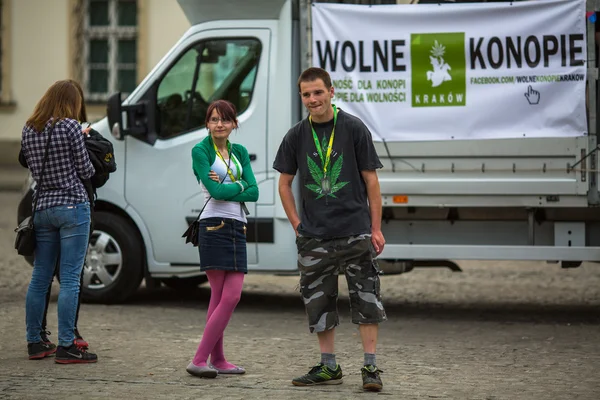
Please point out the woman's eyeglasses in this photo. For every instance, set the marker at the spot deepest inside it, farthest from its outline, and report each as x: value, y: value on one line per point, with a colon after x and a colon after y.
x: 215, y: 121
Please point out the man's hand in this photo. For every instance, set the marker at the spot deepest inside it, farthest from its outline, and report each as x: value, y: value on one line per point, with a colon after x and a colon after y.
x: 287, y: 200
x: 378, y: 241
x: 374, y: 195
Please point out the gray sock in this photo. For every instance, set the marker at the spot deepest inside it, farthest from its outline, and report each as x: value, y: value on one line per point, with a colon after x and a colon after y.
x: 329, y: 360
x: 370, y: 359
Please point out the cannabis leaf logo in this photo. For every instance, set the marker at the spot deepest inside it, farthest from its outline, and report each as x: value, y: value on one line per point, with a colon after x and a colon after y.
x: 315, y: 171
x: 438, y: 49
x: 330, y: 185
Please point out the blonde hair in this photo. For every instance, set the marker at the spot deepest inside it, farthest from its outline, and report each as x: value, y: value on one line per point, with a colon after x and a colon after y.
x: 61, y: 100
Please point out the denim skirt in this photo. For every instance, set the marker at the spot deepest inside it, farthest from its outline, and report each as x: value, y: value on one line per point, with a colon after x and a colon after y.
x: 222, y: 244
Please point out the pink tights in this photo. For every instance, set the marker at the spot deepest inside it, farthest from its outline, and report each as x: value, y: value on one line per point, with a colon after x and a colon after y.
x: 225, y: 293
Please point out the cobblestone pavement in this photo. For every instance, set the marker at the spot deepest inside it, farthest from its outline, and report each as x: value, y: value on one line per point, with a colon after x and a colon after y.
x: 496, y: 331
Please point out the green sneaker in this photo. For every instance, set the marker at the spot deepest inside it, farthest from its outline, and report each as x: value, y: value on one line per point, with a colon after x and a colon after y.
x: 320, y: 374
x: 371, y: 379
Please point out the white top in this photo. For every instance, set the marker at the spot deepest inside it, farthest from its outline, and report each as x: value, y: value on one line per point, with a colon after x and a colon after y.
x: 223, y: 208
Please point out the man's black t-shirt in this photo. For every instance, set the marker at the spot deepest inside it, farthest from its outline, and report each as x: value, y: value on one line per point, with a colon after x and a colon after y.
x: 333, y: 205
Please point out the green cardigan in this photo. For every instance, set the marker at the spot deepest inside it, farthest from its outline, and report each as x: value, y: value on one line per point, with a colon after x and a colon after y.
x: 203, y: 157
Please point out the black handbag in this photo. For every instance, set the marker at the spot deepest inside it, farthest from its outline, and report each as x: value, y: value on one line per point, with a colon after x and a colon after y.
x: 25, y: 240
x: 191, y: 233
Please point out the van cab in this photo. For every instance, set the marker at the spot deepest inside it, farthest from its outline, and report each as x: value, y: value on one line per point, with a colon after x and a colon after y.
x: 147, y: 204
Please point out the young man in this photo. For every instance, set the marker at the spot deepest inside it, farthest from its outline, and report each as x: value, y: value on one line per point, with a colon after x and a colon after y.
x: 340, y: 223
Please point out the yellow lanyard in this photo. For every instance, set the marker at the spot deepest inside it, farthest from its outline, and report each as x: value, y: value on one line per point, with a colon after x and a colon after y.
x: 231, y: 157
x: 324, y: 160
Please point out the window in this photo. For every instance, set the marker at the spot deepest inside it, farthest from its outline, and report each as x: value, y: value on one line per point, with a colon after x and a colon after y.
x: 208, y: 71
x: 110, y: 37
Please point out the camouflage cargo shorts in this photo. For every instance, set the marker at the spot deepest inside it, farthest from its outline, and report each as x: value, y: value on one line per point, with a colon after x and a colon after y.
x: 320, y: 261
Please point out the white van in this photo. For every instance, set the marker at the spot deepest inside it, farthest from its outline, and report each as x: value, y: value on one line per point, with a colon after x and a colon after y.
x: 251, y: 53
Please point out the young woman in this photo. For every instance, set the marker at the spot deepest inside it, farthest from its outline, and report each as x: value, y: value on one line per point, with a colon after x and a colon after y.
x: 79, y: 341
x: 62, y: 216
x: 224, y: 172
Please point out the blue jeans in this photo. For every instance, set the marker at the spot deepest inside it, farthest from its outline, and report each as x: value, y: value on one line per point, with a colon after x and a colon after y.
x: 65, y: 230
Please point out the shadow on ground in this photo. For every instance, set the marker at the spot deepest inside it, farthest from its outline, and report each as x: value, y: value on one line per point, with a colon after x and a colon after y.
x: 501, y: 311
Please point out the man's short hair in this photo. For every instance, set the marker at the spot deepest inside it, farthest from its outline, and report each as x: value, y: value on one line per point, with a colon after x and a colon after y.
x: 312, y: 74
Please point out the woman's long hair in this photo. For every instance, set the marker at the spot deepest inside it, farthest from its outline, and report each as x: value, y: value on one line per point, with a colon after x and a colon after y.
x: 82, y: 111
x: 61, y: 100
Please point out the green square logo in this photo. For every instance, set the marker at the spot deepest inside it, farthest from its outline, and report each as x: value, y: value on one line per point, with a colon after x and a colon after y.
x: 438, y: 69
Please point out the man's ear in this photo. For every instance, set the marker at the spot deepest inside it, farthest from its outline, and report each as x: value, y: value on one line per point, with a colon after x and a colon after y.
x: 331, y: 91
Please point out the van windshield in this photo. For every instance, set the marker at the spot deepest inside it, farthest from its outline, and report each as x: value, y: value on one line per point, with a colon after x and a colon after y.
x: 209, y: 70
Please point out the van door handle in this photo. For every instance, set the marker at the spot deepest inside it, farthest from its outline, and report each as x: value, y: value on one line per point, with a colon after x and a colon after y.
x: 252, y: 157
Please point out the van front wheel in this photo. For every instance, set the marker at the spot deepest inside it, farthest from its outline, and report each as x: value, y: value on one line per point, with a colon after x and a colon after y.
x: 113, y: 267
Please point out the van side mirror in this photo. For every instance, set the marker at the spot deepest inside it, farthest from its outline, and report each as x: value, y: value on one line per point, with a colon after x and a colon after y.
x: 129, y: 119
x: 115, y: 116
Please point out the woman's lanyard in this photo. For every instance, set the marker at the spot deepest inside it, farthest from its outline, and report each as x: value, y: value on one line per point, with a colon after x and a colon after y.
x: 324, y: 161
x: 229, y: 171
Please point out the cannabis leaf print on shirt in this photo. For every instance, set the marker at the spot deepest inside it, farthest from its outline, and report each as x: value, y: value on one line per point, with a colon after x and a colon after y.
x: 325, y: 186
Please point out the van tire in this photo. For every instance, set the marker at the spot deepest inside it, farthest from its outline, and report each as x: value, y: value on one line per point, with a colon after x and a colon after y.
x: 124, y: 239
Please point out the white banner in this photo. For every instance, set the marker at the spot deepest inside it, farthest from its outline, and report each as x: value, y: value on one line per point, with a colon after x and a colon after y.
x: 457, y: 71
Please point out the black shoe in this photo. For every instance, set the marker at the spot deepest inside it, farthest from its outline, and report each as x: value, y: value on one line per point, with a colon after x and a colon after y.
x: 371, y: 379
x: 40, y: 350
x: 320, y: 374
x: 74, y: 355
x: 44, y: 335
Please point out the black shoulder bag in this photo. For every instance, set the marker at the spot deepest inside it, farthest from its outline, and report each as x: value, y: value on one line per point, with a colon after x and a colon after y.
x: 25, y: 240
x: 191, y: 233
